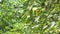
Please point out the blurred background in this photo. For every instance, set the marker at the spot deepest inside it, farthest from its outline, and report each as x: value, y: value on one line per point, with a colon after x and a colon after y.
x: 29, y: 16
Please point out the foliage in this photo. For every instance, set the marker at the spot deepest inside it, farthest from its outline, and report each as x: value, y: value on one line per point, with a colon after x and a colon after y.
x: 29, y: 16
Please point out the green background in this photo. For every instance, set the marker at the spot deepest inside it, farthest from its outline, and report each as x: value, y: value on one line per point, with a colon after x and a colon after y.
x: 29, y: 16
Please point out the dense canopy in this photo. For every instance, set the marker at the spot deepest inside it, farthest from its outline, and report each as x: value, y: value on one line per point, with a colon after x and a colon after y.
x: 29, y: 16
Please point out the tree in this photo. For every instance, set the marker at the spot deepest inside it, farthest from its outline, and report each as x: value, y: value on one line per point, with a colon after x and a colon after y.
x: 29, y: 16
